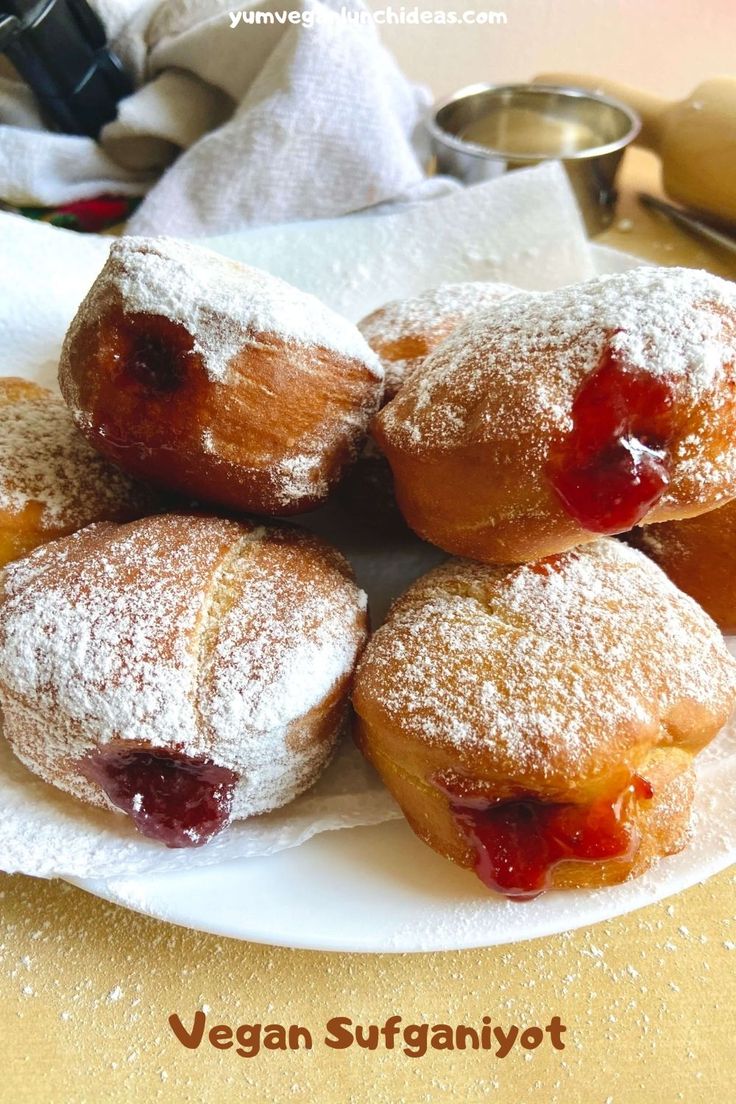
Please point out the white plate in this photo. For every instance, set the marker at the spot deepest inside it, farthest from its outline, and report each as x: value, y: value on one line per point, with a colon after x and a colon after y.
x: 379, y: 888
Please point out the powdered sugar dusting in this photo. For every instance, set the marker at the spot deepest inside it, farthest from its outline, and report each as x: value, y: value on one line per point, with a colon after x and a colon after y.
x: 217, y: 300
x: 672, y: 322
x: 547, y: 668
x: 301, y: 476
x: 201, y: 635
x: 423, y: 321
x: 45, y: 460
x: 422, y: 314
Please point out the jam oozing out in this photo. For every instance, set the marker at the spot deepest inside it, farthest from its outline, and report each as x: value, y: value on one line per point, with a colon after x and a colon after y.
x: 518, y: 843
x: 613, y: 466
x: 550, y: 565
x: 156, y: 353
x: 180, y: 801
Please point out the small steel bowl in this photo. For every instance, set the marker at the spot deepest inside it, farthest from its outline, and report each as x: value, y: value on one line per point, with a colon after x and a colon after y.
x: 485, y: 130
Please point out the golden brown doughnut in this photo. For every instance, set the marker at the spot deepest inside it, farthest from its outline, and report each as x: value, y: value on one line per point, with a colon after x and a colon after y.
x: 216, y: 380
x: 571, y: 413
x: 699, y: 555
x: 184, y: 669
x: 403, y: 333
x: 51, y: 481
x: 538, y: 723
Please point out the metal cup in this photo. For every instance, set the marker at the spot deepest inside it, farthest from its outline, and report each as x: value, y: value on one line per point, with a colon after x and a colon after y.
x: 485, y: 130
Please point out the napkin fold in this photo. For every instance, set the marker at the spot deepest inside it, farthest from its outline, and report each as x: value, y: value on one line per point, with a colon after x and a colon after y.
x: 234, y: 122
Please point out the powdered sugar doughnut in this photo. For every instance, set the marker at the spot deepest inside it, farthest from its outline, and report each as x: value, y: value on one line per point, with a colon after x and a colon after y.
x: 538, y: 723
x: 571, y: 413
x: 699, y: 555
x: 404, y: 331
x: 51, y: 481
x: 187, y: 670
x: 217, y: 380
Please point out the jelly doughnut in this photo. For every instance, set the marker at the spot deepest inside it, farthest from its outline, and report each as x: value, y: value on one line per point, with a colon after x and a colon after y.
x: 404, y: 331
x: 185, y: 670
x: 52, y: 482
x: 569, y: 414
x: 217, y: 380
x: 699, y: 555
x: 537, y: 723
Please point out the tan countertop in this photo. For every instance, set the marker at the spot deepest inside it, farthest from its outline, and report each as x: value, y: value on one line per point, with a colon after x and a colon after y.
x: 648, y: 1002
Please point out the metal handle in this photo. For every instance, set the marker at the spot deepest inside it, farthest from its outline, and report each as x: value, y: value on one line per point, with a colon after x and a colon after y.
x: 689, y: 222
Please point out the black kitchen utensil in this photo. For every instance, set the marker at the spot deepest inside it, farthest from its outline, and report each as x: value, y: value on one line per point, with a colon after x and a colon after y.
x: 59, y: 47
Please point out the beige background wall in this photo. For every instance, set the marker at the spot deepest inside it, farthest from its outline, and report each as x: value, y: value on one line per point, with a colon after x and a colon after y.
x: 666, y: 47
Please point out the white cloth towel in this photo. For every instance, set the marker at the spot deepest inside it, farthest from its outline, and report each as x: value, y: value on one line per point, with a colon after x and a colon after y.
x: 252, y: 123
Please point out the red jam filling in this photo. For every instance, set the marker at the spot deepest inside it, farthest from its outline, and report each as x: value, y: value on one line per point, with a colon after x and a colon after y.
x: 181, y: 802
x: 518, y: 843
x: 156, y: 352
x: 613, y: 466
